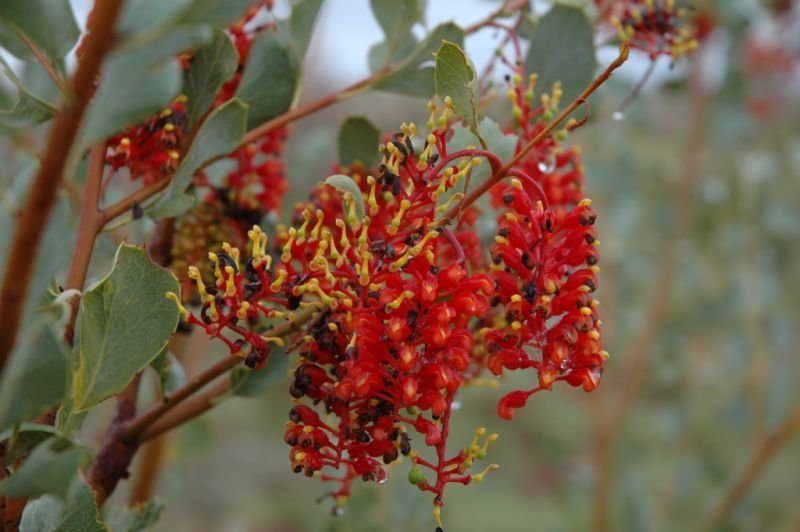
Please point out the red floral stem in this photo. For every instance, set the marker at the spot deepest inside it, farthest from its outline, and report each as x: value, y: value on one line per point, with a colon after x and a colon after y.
x: 504, y: 170
x: 34, y: 215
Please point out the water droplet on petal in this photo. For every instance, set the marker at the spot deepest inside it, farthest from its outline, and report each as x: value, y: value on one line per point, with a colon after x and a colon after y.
x: 382, y: 480
x: 618, y: 116
x: 455, y: 405
x: 337, y: 511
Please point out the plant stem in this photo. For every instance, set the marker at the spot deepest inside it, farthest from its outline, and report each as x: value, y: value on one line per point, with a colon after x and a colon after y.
x: 112, y: 461
x: 187, y: 411
x: 57, y: 79
x: 140, y: 424
x: 762, y: 456
x: 137, y: 426
x: 34, y: 216
x: 497, y: 176
x: 87, y: 233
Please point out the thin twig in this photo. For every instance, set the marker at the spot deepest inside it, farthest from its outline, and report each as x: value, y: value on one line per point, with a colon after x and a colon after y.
x: 87, y: 233
x: 187, y: 411
x: 55, y: 76
x: 501, y: 173
x: 34, y: 216
x: 761, y: 457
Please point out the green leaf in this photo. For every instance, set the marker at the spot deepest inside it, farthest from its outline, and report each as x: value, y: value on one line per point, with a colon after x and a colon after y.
x: 36, y: 378
x: 212, y: 66
x: 246, y: 382
x: 49, y: 24
x: 379, y: 55
x: 139, y: 79
x: 358, y: 142
x: 80, y: 512
x: 22, y: 438
x: 413, y: 82
x: 269, y: 80
x: 413, y: 79
x: 139, y: 518
x: 220, y: 134
x: 49, y: 469
x: 170, y: 372
x: 562, y: 49
x: 125, y: 322
x: 396, y: 18
x: 219, y: 13
x: 345, y: 185
x: 42, y: 514
x: 30, y: 108
x: 301, y: 25
x: 455, y: 77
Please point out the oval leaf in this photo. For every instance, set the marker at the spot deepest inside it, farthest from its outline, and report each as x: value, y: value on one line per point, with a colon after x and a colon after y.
x: 455, y: 77
x: 358, y: 142
x: 212, y: 66
x: 269, y: 80
x: 125, y: 322
x: 346, y: 185
x: 50, y: 468
x: 562, y: 49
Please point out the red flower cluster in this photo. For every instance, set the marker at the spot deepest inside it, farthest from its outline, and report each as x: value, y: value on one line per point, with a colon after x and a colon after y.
x: 151, y: 150
x: 411, y: 311
x: 657, y: 27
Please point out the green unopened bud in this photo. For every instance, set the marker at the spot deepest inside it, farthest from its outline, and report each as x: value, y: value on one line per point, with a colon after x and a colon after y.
x: 415, y: 476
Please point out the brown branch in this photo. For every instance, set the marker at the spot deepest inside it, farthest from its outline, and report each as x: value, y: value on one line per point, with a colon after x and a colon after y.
x: 499, y: 174
x: 34, y: 216
x: 87, y: 233
x: 140, y: 424
x: 111, y: 463
x: 761, y: 457
x: 148, y: 466
x: 187, y: 411
x: 137, y: 426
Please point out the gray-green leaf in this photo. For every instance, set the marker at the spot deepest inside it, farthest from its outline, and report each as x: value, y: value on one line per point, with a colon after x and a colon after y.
x: 49, y: 24
x: 139, y: 518
x: 36, y: 378
x: 346, y: 185
x: 269, y: 80
x: 125, y: 322
x: 562, y: 49
x: 49, y: 469
x: 212, y: 66
x: 358, y: 142
x: 301, y: 25
x: 455, y: 77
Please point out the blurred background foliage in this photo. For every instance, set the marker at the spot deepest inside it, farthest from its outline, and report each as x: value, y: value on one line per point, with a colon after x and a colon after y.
x: 697, y: 190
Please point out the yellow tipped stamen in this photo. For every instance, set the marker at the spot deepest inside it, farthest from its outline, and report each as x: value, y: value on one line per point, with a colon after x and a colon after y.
x: 395, y: 223
x: 230, y: 284
x: 301, y: 233
x: 344, y: 241
x: 277, y: 340
x: 278, y: 282
x: 371, y: 201
x: 479, y: 477
x: 395, y: 304
x: 174, y: 297
x: 286, y: 255
x: 242, y: 312
x: 437, y: 515
x: 458, y: 196
x: 194, y: 274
